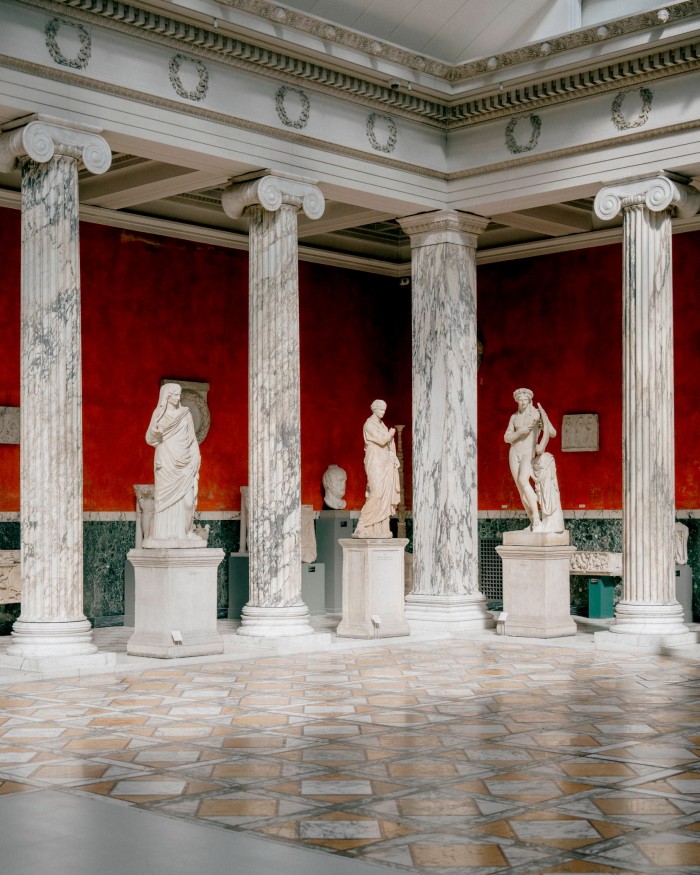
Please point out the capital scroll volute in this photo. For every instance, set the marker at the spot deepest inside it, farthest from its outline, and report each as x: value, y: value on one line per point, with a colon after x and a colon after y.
x: 40, y: 140
x: 270, y: 192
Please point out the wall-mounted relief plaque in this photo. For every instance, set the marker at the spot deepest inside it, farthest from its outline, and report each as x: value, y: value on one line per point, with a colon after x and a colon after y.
x: 9, y: 425
x: 579, y: 433
x: 194, y: 397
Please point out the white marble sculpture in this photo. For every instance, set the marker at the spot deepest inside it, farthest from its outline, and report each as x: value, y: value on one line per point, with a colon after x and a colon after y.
x: 382, y: 468
x: 334, y: 482
x: 176, y: 471
x: 308, y: 534
x: 145, y: 508
x: 529, y: 461
x: 681, y: 544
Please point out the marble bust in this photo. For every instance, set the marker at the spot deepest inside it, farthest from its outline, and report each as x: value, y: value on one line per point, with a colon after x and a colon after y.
x: 176, y: 472
x: 529, y: 462
x: 334, y: 481
x: 382, y: 469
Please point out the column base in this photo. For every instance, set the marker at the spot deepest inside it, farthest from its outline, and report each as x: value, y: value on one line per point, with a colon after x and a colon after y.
x: 642, y: 626
x: 435, y: 613
x: 39, y: 640
x: 275, y: 622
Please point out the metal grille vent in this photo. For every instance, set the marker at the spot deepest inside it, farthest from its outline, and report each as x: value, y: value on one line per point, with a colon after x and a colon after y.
x: 490, y: 569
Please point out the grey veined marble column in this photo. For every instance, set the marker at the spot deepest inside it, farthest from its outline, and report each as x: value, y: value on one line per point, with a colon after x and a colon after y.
x: 648, y: 608
x: 445, y: 526
x: 274, y: 455
x: 52, y: 622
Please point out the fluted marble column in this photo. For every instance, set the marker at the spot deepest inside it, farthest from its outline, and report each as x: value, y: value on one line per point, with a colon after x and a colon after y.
x: 52, y: 622
x: 445, y: 526
x: 275, y: 607
x: 648, y: 606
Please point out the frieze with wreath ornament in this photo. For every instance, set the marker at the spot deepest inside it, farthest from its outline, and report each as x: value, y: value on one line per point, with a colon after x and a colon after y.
x: 82, y: 59
x: 198, y: 93
x: 299, y: 123
x: 512, y: 144
x: 618, y: 118
x: 390, y: 144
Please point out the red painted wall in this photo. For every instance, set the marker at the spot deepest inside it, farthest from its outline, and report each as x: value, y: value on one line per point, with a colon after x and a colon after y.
x: 156, y: 307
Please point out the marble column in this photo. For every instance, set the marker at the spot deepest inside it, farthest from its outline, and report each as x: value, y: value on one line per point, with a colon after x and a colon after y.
x: 52, y: 623
x: 271, y: 203
x: 648, y: 608
x: 445, y: 527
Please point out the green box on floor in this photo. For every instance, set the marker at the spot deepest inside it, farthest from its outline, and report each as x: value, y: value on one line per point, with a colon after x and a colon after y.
x: 600, y: 597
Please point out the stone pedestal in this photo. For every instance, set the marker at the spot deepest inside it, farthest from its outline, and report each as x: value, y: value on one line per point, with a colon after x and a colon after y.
x: 175, y: 599
x: 536, y: 584
x: 271, y: 203
x: 332, y: 525
x: 445, y: 592
x: 313, y: 587
x: 373, y: 588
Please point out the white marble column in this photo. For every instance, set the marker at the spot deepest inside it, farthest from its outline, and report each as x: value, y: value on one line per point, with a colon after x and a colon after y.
x: 445, y: 527
x: 272, y: 202
x: 648, y: 609
x: 52, y: 623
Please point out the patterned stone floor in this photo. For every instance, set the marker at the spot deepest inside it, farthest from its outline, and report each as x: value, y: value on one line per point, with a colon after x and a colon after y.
x: 434, y: 757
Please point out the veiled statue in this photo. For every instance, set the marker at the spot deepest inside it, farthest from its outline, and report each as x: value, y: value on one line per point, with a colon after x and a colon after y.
x: 176, y: 472
x: 382, y: 469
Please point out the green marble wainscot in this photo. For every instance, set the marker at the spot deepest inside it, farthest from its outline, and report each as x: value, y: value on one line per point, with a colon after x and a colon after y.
x: 694, y: 561
x: 105, y: 545
x: 9, y: 540
x: 225, y: 534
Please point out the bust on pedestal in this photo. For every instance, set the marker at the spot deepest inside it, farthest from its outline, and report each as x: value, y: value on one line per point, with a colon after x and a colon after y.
x: 536, y: 560
x: 175, y: 572
x: 373, y: 563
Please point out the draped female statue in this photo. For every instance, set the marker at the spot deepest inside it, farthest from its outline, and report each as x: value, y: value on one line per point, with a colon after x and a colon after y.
x: 382, y: 468
x: 176, y: 471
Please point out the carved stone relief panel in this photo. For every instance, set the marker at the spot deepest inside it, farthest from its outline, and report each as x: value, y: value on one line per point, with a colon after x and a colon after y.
x: 579, y: 433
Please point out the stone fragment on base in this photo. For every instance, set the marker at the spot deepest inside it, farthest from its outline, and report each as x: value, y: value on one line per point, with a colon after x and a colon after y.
x: 536, y: 584
x: 373, y: 588
x: 175, y: 599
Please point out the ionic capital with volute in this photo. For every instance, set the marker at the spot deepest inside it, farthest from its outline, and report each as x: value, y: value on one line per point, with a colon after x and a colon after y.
x: 40, y: 137
x: 272, y: 190
x: 657, y: 193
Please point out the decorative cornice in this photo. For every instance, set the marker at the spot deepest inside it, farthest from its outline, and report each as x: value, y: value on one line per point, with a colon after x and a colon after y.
x: 375, y: 48
x: 541, y: 90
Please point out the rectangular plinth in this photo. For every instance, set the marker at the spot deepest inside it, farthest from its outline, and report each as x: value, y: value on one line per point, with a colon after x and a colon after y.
x: 175, y: 598
x: 536, y: 591
x: 373, y: 588
x: 526, y: 538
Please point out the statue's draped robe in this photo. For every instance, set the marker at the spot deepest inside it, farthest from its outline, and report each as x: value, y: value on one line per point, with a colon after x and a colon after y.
x: 176, y: 471
x: 547, y: 489
x: 382, y: 467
